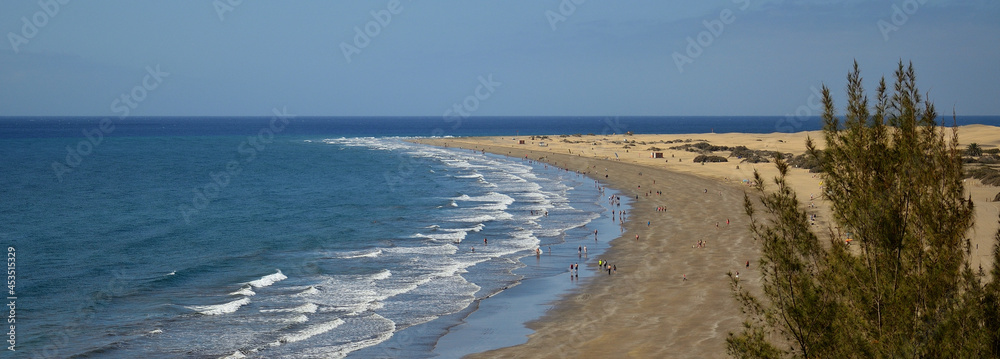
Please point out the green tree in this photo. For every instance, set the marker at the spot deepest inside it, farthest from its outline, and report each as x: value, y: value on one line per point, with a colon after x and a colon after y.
x: 974, y: 150
x: 906, y: 289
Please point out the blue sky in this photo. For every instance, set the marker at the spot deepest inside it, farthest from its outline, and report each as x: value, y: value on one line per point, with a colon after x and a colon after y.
x: 543, y: 57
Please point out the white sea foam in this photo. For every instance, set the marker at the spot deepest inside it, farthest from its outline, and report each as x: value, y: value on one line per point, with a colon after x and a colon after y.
x: 367, y: 253
x: 348, y: 348
x: 308, y: 291
x: 369, y: 142
x: 535, y: 197
x: 268, y: 280
x: 244, y: 291
x: 513, y: 178
x: 310, y: 332
x: 452, y: 236
x: 490, y: 207
x: 383, y: 274
x: 476, y: 218
x: 235, y: 355
x: 489, y: 197
x: 219, y: 309
x: 460, y: 163
x: 445, y: 249
x: 305, y: 308
x: 359, y: 308
x: 476, y: 228
x: 365, y: 332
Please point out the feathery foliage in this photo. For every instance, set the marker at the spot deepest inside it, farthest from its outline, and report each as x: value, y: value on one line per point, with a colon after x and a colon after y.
x: 904, y: 288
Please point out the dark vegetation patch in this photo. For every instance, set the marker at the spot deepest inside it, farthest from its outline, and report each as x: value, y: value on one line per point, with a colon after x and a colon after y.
x: 806, y: 161
x: 742, y: 153
x: 710, y: 158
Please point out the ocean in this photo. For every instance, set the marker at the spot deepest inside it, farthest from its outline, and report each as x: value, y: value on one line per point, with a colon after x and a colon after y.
x: 287, y: 237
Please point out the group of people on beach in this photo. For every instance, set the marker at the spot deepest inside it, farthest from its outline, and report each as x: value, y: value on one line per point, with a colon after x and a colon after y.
x: 574, y: 270
x: 620, y: 215
x: 604, y: 265
x: 615, y: 201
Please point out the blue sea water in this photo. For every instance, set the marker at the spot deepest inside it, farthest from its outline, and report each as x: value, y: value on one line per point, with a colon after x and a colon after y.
x: 230, y: 237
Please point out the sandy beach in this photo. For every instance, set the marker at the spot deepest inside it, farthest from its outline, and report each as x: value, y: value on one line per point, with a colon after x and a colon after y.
x: 670, y: 297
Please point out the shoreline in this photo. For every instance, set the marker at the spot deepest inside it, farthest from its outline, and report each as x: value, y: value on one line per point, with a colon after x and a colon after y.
x: 617, y: 309
x: 543, y: 279
x: 491, y: 325
x: 648, y: 309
